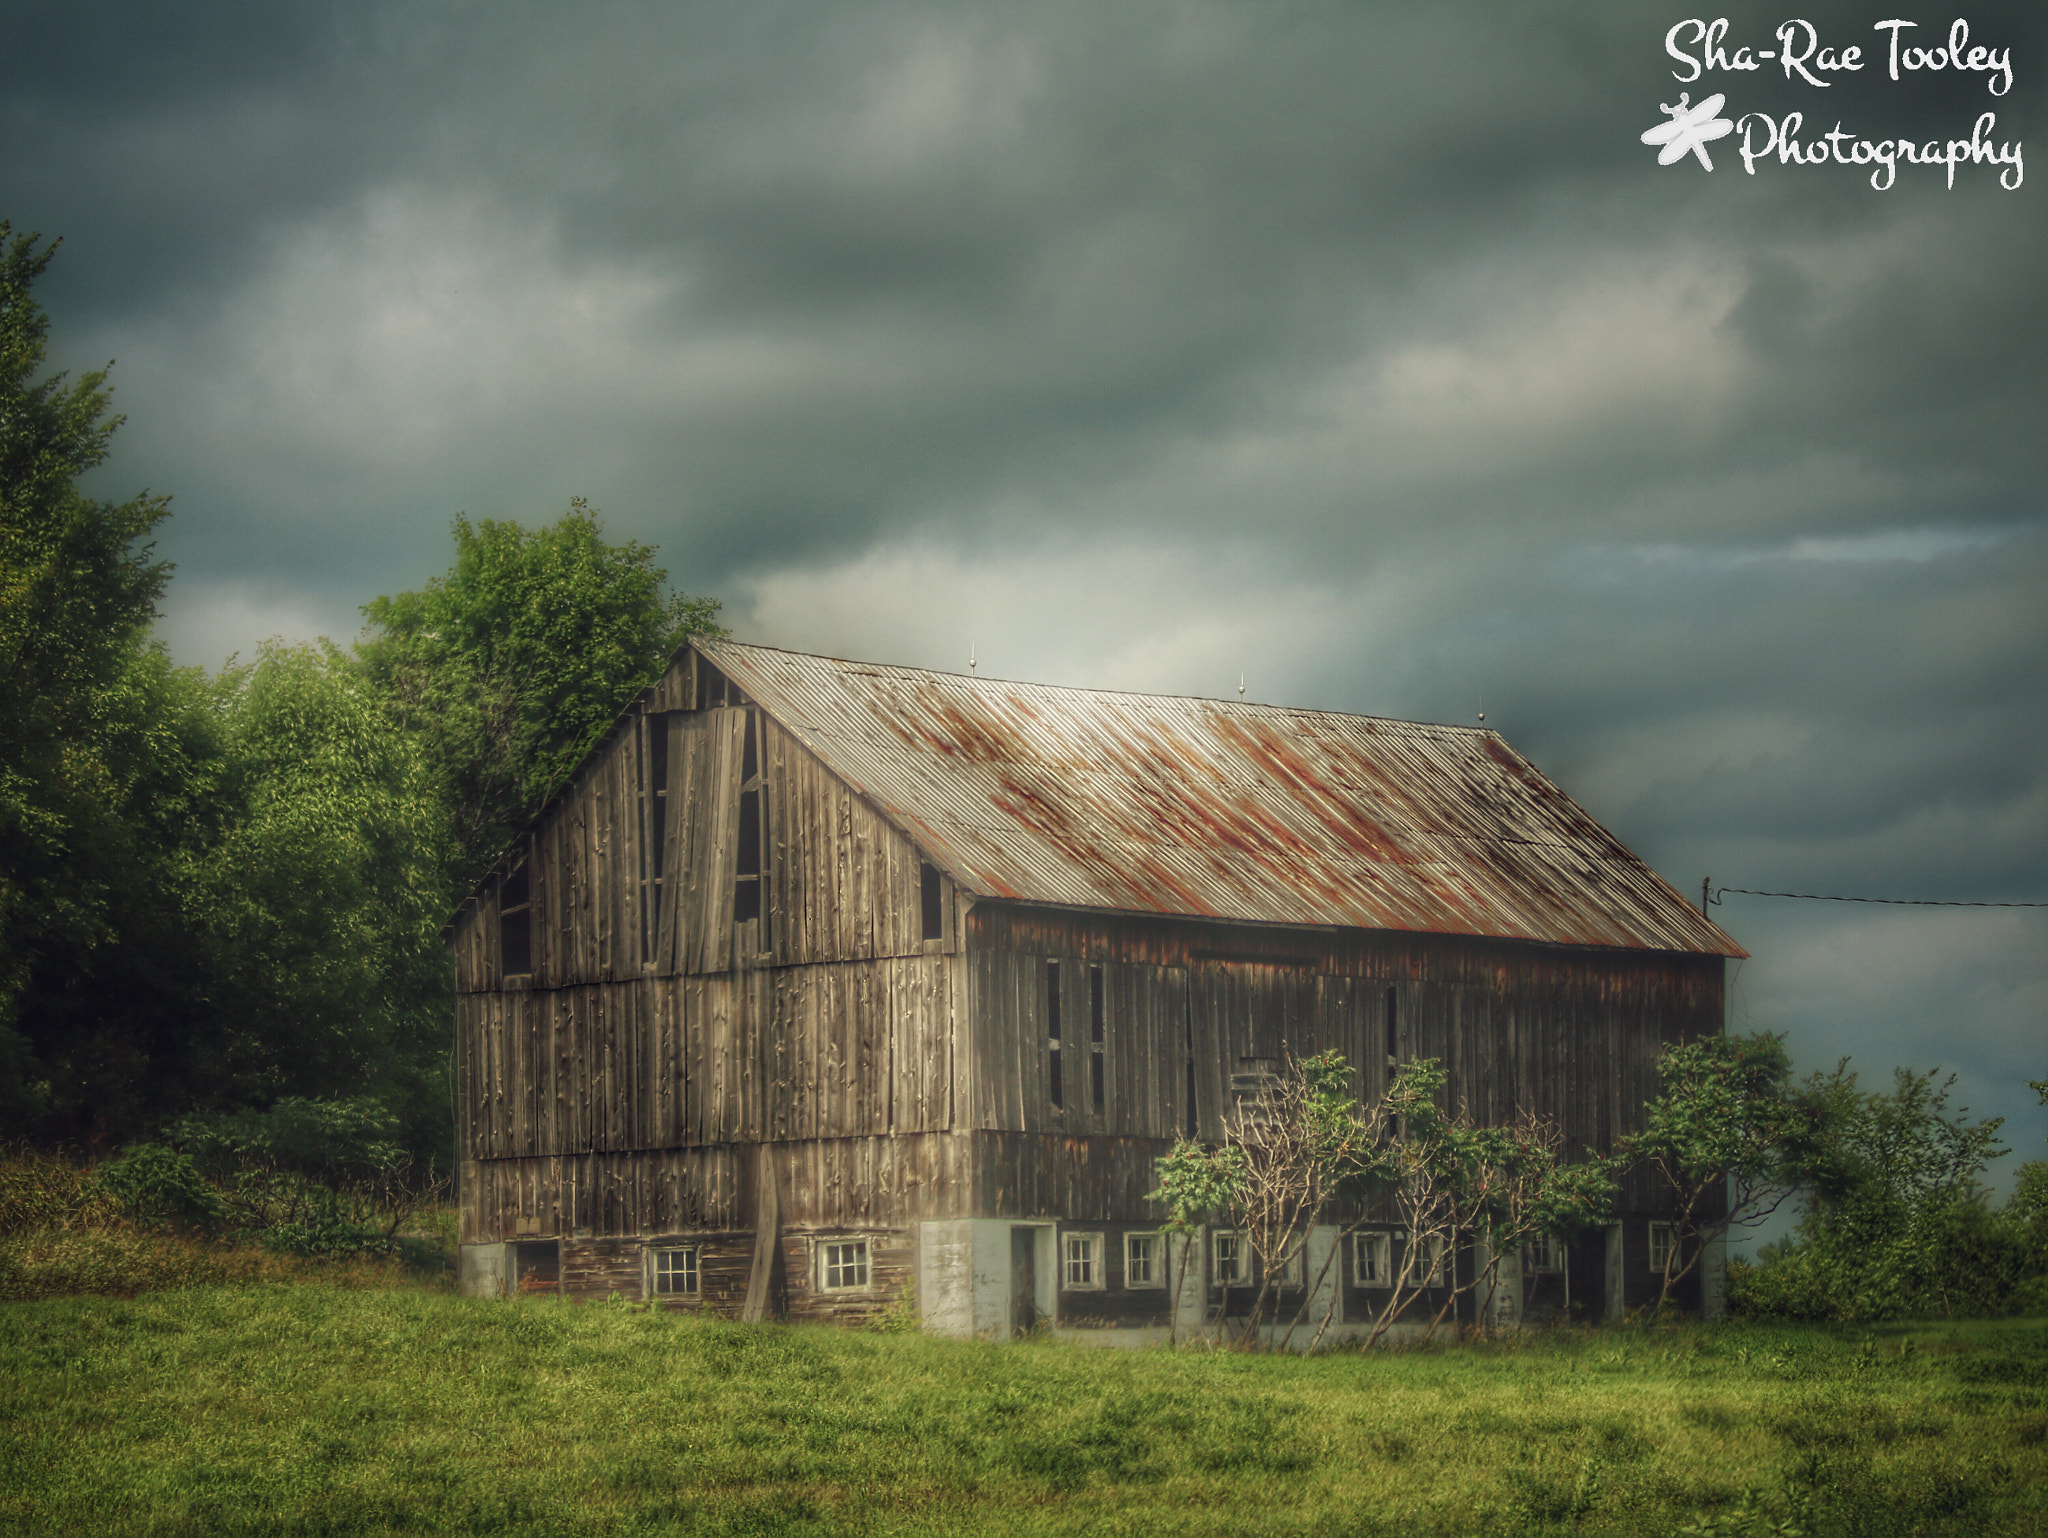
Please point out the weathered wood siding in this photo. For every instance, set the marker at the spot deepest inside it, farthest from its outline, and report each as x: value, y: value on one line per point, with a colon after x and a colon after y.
x: 660, y: 1036
x: 841, y: 883
x: 779, y: 1053
x: 825, y: 1182
x: 1570, y: 1033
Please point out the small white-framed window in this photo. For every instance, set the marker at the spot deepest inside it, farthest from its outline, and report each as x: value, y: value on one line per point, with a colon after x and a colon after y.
x: 842, y: 1264
x: 1546, y: 1255
x: 1372, y: 1259
x: 673, y: 1271
x: 1230, y: 1259
x: 1433, y: 1263
x: 1660, y: 1247
x: 1081, y: 1262
x: 1144, y: 1260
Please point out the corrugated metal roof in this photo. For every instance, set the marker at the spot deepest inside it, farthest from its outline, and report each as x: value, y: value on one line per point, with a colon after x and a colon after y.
x: 1154, y: 804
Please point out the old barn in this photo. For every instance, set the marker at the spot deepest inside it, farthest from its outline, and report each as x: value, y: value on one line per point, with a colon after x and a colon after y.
x: 826, y: 987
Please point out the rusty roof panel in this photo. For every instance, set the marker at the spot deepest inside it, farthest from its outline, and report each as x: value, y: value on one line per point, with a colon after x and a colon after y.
x: 1268, y: 814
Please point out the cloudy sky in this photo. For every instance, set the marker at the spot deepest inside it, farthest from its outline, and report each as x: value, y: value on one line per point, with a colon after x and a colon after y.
x: 1364, y: 352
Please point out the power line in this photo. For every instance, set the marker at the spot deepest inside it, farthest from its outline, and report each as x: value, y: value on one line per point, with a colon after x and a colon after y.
x: 1893, y: 902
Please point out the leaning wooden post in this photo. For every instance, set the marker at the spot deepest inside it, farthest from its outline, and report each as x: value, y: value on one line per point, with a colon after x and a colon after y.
x: 767, y: 1232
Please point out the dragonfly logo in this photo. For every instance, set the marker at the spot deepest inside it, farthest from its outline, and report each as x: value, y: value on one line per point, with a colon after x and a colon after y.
x: 1690, y: 129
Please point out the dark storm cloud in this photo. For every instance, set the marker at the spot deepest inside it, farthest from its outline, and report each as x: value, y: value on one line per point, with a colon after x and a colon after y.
x: 1363, y: 349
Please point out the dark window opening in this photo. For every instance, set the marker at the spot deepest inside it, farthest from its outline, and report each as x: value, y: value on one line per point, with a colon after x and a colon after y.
x: 537, y: 1265
x: 749, y: 899
x: 1393, y: 1030
x: 750, y: 833
x: 515, y: 919
x: 657, y: 774
x: 746, y: 902
x: 932, y: 912
x: 1054, y: 1087
x: 1187, y: 1025
x: 1097, y: 1073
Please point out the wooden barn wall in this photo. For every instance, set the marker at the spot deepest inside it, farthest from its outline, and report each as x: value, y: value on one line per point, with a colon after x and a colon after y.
x: 842, y: 884
x: 1574, y: 1034
x: 839, y: 1050
x: 825, y: 1183
x: 1079, y: 1180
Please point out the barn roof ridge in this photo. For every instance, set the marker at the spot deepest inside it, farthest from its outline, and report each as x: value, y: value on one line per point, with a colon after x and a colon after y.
x: 701, y: 643
x: 1185, y: 805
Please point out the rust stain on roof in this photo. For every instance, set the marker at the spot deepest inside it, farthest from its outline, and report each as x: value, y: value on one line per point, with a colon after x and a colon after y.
x: 1146, y: 803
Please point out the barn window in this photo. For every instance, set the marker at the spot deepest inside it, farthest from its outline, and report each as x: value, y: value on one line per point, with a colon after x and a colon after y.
x: 1393, y: 1030
x: 675, y: 1272
x: 515, y: 917
x: 1097, y: 1083
x: 931, y: 904
x: 1144, y: 1260
x: 1372, y: 1259
x: 1054, y: 1088
x: 1081, y: 1262
x: 1660, y: 1247
x: 1546, y: 1255
x: 750, y: 899
x: 1230, y: 1259
x: 843, y: 1265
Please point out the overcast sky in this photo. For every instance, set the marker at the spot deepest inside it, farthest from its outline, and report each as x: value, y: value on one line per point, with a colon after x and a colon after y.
x: 1365, y: 352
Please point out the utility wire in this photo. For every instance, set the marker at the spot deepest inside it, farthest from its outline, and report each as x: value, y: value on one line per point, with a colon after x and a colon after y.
x: 1893, y: 902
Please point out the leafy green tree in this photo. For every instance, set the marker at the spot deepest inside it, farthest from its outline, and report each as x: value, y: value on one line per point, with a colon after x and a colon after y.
x: 508, y: 668
x: 1726, y: 1137
x: 1303, y: 1147
x: 322, y: 898
x: 1896, y: 1220
x: 104, y: 752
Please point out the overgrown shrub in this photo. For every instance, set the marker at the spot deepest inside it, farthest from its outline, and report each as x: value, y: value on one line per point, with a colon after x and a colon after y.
x: 1897, y: 1224
x: 308, y: 1188
x: 38, y: 1192
x: 162, y: 1187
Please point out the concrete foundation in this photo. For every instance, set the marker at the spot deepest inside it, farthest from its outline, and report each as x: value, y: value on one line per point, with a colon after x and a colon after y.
x: 483, y: 1270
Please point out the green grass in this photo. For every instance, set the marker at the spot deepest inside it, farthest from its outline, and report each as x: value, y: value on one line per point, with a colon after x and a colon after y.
x: 311, y: 1409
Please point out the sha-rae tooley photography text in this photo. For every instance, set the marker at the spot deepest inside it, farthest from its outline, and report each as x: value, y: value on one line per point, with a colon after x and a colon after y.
x: 1807, y: 58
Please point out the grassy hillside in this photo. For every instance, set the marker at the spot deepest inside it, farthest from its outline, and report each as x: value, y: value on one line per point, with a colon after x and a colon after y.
x: 308, y: 1409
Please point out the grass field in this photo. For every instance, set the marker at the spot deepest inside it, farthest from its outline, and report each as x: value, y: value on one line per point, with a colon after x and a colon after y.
x: 309, y: 1409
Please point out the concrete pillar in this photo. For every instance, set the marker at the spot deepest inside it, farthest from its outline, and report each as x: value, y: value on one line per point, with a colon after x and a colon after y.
x: 1320, y: 1254
x: 963, y: 1277
x: 1617, y: 1274
x: 1190, y: 1294
x: 1499, y: 1307
x: 1714, y: 1278
x: 483, y: 1270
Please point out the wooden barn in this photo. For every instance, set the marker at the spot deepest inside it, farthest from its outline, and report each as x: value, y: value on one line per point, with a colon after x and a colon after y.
x: 826, y: 988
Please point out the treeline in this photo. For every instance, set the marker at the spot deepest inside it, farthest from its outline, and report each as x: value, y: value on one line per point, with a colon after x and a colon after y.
x: 222, y: 892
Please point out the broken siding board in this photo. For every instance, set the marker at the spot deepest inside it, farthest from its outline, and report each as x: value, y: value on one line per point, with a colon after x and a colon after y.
x: 676, y: 886
x: 714, y: 817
